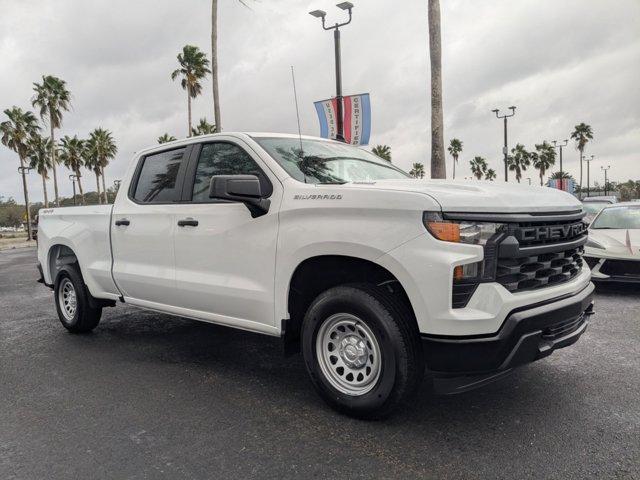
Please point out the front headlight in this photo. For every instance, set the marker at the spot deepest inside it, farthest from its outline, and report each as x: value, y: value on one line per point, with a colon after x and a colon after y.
x: 474, y: 233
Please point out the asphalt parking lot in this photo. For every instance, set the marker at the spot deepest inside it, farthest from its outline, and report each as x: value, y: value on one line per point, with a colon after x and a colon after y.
x: 154, y: 396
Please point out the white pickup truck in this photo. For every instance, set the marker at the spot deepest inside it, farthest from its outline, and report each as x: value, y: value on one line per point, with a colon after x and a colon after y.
x: 373, y: 275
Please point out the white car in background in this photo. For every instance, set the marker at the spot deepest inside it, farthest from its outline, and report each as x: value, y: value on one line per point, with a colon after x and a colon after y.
x: 613, y: 249
x: 593, y: 207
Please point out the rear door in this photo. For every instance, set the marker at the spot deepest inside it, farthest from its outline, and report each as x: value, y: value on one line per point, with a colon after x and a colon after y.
x: 143, y: 224
x: 225, y: 259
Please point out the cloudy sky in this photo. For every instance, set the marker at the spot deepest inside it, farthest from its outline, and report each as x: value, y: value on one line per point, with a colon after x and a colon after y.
x: 560, y: 62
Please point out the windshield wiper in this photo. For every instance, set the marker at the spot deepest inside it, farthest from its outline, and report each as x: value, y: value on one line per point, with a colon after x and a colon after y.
x: 332, y: 183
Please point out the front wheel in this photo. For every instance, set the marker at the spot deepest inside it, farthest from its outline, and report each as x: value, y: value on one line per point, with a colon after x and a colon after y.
x: 73, y: 303
x: 361, y: 349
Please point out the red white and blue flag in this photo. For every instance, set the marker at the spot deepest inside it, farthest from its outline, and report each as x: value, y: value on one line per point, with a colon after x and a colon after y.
x: 357, y: 118
x: 566, y: 184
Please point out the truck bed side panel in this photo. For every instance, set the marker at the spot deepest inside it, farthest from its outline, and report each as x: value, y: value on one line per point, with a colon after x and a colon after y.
x: 86, y: 231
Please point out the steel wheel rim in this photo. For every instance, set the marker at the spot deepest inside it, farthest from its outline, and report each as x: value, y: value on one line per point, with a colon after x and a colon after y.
x: 348, y: 354
x: 67, y: 299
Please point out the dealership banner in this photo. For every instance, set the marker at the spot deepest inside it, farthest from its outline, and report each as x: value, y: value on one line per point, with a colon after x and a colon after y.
x: 356, y: 118
x: 566, y: 184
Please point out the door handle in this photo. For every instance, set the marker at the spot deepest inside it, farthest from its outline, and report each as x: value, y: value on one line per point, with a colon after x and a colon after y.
x: 122, y: 221
x: 188, y: 222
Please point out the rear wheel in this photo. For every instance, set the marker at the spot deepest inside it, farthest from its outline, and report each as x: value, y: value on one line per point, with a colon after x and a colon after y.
x: 361, y: 349
x: 73, y: 302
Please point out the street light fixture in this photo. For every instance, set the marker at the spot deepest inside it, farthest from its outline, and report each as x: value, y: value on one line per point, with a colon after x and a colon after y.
x: 505, y: 149
x: 73, y: 177
x: 588, y: 160
x: 559, y: 146
x: 345, y: 6
x: 605, y: 170
x: 336, y: 40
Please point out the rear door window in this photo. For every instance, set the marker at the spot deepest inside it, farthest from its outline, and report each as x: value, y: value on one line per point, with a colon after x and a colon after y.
x: 158, y: 177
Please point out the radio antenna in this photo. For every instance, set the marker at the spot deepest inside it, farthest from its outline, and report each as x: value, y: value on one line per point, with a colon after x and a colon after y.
x: 295, y: 97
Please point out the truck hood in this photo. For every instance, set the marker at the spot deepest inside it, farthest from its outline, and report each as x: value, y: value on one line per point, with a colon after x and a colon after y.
x: 622, y: 243
x: 479, y: 196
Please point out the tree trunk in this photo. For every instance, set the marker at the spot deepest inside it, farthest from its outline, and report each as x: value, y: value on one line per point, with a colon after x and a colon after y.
x: 438, y: 167
x: 214, y: 65
x: 104, y: 187
x: 581, y: 151
x: 44, y: 190
x: 77, y: 171
x: 541, y: 178
x: 454, y: 167
x: 53, y: 164
x: 189, y: 109
x: 26, y: 198
x: 98, y: 186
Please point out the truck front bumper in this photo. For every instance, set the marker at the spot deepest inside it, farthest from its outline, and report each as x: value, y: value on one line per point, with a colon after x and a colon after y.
x: 527, y: 334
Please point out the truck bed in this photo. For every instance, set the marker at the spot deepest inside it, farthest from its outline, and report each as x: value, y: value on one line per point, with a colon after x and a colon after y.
x: 86, y: 231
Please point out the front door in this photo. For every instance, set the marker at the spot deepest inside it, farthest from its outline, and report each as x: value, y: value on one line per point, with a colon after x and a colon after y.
x: 225, y: 259
x: 143, y: 224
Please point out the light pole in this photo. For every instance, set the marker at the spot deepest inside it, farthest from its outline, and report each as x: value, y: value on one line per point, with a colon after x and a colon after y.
x: 24, y: 171
x: 588, y: 160
x: 559, y: 147
x: 336, y: 40
x: 529, y: 178
x: 73, y: 177
x: 505, y: 149
x: 605, y: 170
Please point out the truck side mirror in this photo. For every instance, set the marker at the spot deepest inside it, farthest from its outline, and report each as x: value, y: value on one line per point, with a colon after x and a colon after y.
x: 240, y: 188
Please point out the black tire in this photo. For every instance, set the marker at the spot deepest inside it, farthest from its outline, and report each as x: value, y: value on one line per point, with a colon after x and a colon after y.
x: 85, y: 317
x: 401, y: 364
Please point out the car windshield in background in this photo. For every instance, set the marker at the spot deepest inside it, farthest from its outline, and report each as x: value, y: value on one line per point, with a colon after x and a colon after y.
x: 594, y: 207
x: 317, y: 161
x: 627, y: 217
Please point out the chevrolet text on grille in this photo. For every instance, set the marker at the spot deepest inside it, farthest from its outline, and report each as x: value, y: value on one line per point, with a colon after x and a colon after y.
x: 551, y: 232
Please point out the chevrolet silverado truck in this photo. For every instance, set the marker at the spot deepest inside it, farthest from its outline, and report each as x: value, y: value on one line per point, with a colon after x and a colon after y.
x: 374, y: 276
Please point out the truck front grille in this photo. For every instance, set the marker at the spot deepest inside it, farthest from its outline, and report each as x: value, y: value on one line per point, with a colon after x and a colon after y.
x: 544, y: 270
x: 528, y: 251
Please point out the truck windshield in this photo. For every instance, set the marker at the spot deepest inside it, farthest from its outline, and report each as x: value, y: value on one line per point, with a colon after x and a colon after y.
x: 618, y: 218
x: 317, y: 161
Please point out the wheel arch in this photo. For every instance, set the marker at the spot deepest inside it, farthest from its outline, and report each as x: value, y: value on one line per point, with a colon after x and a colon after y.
x: 316, y: 274
x: 59, y: 255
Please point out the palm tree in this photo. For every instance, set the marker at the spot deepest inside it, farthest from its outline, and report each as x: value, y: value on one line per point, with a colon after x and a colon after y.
x: 478, y: 167
x: 543, y: 158
x: 52, y: 98
x: 561, y: 176
x: 104, y: 150
x: 15, y: 135
x: 194, y: 66
x: 582, y: 133
x: 455, y: 148
x: 39, y: 155
x: 90, y: 161
x: 490, y: 175
x: 214, y: 62
x: 417, y: 170
x: 71, y: 154
x: 438, y: 166
x: 203, y: 128
x: 164, y: 138
x: 382, y: 151
x: 519, y: 160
